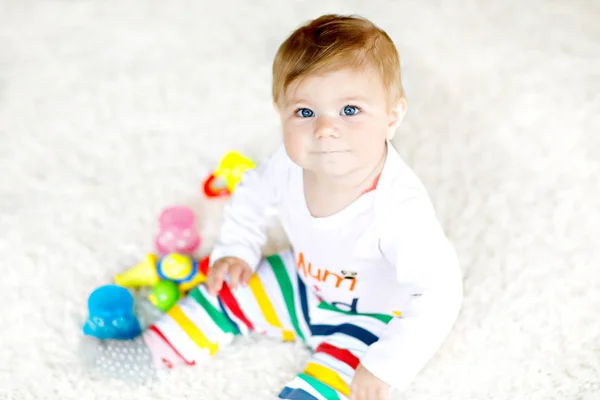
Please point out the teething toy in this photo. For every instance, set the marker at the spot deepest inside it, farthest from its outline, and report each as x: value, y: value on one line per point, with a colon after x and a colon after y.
x: 231, y: 168
x: 177, y: 231
x: 111, y: 314
x: 164, y: 295
x: 183, y: 271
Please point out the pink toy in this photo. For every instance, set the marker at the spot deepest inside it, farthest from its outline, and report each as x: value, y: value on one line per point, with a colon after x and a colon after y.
x: 177, y: 231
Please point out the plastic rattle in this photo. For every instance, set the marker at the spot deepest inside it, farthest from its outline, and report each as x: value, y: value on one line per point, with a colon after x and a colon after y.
x: 177, y: 231
x: 181, y: 270
x: 231, y: 168
x: 164, y: 295
x: 111, y: 314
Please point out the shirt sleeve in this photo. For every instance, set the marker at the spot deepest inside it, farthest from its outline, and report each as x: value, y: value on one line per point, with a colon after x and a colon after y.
x: 412, y: 241
x: 247, y: 213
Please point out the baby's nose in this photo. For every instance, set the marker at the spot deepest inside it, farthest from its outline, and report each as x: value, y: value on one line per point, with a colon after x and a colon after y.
x: 325, y: 127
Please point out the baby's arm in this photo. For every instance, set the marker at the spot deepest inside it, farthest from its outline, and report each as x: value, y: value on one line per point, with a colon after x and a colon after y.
x: 412, y: 240
x: 253, y: 202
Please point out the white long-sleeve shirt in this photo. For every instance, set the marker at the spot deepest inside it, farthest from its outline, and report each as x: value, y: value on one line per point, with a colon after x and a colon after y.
x: 384, y: 253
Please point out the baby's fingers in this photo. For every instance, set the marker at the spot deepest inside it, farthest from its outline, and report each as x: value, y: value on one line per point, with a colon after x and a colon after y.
x: 246, y: 275
x: 216, y: 276
x: 357, y: 392
x: 235, y: 274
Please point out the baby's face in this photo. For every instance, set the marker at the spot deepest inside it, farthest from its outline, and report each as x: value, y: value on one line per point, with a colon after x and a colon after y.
x: 337, y: 123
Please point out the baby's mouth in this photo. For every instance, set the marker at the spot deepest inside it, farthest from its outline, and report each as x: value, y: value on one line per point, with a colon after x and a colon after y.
x: 331, y: 151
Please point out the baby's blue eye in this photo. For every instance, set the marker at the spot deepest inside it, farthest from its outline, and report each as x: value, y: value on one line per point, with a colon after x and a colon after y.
x: 304, y: 113
x: 350, y: 110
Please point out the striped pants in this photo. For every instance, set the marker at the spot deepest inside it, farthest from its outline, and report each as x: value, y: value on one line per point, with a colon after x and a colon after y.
x: 276, y: 303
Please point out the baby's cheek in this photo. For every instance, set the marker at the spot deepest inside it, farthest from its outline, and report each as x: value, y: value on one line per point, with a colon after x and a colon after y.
x: 294, y: 145
x: 371, y: 144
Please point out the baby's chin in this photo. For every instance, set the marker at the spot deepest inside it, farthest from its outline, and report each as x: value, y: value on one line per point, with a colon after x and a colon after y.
x: 333, y: 165
x: 333, y: 170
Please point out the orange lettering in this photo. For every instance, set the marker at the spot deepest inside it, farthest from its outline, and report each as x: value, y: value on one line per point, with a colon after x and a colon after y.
x: 318, y: 276
x: 339, y: 279
x: 306, y: 270
x: 300, y: 264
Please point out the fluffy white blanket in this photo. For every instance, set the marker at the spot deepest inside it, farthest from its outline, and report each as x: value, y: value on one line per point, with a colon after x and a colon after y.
x: 112, y: 110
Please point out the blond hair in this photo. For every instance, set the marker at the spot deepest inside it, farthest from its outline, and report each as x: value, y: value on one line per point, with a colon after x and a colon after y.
x: 332, y: 42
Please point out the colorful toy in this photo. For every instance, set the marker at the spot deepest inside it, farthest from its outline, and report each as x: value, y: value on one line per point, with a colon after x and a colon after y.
x: 164, y: 295
x: 231, y: 168
x: 111, y: 314
x: 182, y: 270
x: 177, y: 231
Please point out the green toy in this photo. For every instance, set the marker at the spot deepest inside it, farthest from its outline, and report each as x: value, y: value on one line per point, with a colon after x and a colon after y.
x: 164, y: 295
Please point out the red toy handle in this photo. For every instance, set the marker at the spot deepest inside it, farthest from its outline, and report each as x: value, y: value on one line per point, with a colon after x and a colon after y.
x: 213, y: 192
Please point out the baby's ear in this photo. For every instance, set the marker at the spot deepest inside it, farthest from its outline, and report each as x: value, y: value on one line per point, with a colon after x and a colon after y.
x: 396, y: 116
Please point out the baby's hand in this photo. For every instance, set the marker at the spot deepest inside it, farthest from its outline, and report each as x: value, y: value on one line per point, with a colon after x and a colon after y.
x: 239, y: 272
x: 366, y: 386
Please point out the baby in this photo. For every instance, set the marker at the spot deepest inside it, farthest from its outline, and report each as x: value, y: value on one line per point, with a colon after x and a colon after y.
x: 371, y: 285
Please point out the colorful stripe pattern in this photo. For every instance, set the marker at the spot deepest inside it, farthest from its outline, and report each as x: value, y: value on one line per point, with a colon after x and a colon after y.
x: 277, y: 303
x: 287, y: 290
x: 267, y: 307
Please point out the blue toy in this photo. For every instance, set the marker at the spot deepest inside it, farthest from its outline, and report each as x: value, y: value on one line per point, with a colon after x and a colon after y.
x: 111, y: 314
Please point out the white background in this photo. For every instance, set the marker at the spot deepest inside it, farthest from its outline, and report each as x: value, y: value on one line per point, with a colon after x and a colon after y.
x: 112, y: 110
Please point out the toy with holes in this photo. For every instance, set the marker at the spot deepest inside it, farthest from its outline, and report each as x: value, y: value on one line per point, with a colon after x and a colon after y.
x: 230, y: 170
x: 170, y: 276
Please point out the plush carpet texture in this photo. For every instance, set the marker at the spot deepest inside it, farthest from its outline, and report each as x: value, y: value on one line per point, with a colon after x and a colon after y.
x: 113, y: 110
